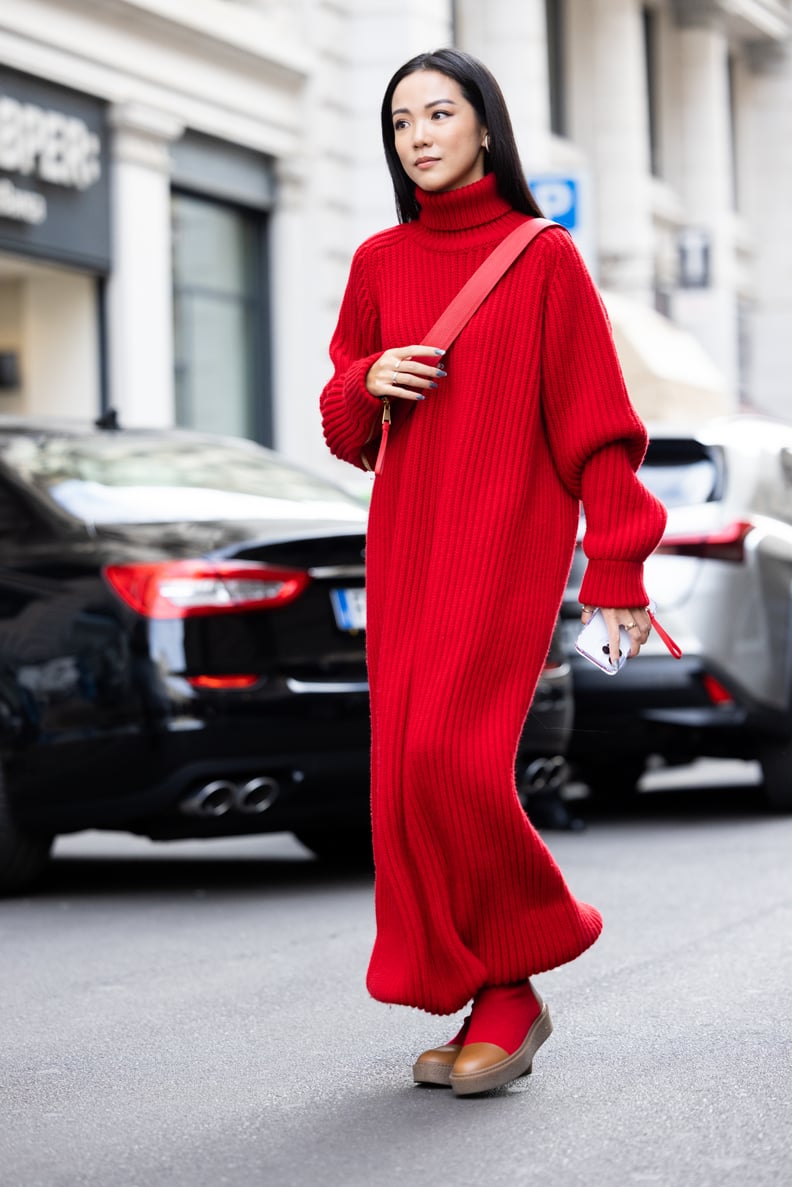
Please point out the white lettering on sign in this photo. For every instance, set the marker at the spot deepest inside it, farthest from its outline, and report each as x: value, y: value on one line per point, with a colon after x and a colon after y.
x: 24, y: 205
x: 56, y: 148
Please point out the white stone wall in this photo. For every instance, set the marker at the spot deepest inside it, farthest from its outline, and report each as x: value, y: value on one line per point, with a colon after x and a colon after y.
x: 140, y: 331
x: 765, y: 182
x: 608, y: 119
x: 704, y: 183
x: 302, y: 80
x: 511, y: 39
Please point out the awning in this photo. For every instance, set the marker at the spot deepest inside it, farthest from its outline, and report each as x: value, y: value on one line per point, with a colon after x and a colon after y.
x: 668, y: 373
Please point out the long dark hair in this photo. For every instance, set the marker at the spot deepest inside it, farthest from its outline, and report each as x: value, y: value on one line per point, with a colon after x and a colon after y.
x: 483, y: 93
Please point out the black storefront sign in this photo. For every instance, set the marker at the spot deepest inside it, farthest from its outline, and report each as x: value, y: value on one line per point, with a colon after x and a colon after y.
x: 54, y: 190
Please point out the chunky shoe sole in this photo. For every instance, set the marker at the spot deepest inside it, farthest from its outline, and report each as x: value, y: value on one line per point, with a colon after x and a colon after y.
x: 520, y: 1063
x: 427, y: 1070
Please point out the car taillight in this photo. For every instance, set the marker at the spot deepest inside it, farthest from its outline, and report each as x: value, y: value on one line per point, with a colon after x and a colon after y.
x: 717, y: 692
x: 222, y: 683
x: 189, y: 589
x: 725, y: 544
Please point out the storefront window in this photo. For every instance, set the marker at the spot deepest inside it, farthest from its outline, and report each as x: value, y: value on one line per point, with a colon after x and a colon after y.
x: 219, y: 325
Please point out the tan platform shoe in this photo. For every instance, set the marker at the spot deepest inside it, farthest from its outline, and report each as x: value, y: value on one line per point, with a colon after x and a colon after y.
x: 479, y: 1067
x: 434, y: 1066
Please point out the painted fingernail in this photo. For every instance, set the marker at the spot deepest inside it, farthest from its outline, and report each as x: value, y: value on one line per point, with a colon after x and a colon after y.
x: 420, y: 397
x: 439, y: 352
x: 441, y: 373
x: 433, y: 385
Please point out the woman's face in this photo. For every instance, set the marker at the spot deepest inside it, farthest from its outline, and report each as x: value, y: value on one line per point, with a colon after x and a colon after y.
x: 437, y: 132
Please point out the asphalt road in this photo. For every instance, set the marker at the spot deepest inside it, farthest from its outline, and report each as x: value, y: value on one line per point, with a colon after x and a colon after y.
x: 194, y: 1016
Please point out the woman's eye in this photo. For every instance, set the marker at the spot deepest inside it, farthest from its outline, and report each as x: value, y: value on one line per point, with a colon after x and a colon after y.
x: 438, y: 114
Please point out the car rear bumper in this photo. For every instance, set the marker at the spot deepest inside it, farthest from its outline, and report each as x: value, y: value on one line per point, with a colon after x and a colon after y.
x: 314, y: 747
x: 660, y: 705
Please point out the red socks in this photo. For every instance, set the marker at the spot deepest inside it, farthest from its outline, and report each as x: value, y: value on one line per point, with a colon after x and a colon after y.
x: 503, y: 1015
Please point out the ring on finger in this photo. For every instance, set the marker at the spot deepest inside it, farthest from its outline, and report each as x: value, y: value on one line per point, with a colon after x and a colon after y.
x: 628, y: 626
x: 395, y: 377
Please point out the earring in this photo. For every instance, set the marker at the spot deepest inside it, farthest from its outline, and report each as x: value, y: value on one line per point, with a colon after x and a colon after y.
x: 486, y: 143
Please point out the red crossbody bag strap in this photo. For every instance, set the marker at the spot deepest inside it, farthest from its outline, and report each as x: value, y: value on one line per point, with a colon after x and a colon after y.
x: 458, y: 313
x: 474, y: 291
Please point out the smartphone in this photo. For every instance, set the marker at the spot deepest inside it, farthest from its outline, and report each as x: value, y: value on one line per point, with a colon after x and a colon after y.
x: 592, y: 643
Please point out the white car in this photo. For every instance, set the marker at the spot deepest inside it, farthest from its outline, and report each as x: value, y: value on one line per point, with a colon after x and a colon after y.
x: 722, y: 582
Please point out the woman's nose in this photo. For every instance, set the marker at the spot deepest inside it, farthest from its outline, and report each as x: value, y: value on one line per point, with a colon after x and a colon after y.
x: 422, y: 134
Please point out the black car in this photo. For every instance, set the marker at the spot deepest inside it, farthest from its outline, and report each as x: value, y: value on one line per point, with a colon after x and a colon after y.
x: 182, y: 644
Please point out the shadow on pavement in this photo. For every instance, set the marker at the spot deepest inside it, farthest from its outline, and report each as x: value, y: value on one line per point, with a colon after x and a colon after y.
x: 692, y: 805
x: 160, y: 871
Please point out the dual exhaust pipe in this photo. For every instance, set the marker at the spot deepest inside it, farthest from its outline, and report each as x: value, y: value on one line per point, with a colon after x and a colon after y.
x: 545, y: 774
x: 221, y: 796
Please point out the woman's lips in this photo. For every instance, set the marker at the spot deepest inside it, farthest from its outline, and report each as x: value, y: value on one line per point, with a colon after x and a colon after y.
x: 426, y: 162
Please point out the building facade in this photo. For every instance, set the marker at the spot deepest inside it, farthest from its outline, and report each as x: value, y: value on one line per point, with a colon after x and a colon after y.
x: 182, y: 187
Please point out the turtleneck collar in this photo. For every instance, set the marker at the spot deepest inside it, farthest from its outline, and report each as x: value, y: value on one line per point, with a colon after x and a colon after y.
x: 459, y: 210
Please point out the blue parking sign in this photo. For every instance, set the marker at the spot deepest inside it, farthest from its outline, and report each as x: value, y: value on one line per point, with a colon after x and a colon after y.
x: 558, y: 197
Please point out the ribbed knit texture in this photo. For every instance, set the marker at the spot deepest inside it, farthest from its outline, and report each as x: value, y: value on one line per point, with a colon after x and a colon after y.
x: 471, y: 534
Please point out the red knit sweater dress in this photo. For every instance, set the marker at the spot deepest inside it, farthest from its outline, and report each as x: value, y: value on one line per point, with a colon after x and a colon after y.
x: 471, y: 533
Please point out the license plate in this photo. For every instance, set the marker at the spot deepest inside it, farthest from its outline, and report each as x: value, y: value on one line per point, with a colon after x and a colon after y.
x: 349, y: 607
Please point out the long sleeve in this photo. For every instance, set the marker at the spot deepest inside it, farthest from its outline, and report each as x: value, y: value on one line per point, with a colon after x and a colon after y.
x: 624, y: 523
x: 584, y: 399
x: 349, y: 412
x: 597, y: 439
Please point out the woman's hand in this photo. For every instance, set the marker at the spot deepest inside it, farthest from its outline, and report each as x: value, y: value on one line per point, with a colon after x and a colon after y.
x: 635, y: 621
x: 397, y: 375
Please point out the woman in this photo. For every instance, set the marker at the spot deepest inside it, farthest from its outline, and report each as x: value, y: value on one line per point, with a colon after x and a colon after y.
x: 472, y: 529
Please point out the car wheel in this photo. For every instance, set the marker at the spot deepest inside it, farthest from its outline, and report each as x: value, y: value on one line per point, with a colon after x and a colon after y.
x: 23, y: 856
x: 349, y: 847
x: 613, y: 781
x: 776, y: 762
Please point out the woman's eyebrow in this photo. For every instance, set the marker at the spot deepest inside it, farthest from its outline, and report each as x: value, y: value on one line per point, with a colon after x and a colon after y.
x: 434, y: 103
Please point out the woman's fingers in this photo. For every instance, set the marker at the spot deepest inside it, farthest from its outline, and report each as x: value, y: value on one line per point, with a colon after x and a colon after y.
x: 638, y: 626
x: 635, y: 621
x: 399, y: 375
x: 416, y: 377
x: 424, y: 352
